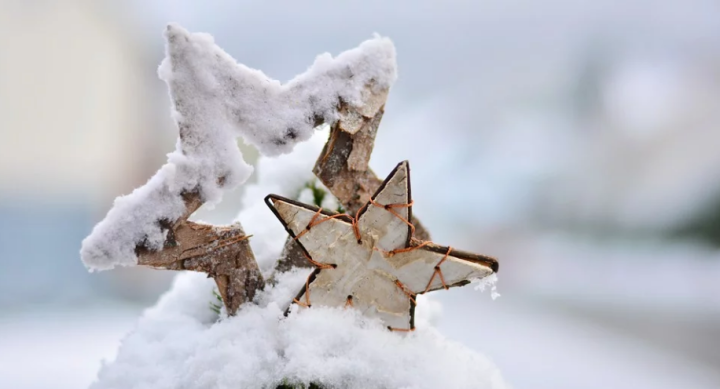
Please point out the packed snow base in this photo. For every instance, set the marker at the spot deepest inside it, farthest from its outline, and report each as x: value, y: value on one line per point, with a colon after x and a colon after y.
x: 215, y: 100
x: 178, y: 344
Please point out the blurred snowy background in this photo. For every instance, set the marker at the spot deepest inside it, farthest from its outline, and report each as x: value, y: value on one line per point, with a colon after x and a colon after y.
x: 578, y: 141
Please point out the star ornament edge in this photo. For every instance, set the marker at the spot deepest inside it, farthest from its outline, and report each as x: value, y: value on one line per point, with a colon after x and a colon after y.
x: 456, y: 259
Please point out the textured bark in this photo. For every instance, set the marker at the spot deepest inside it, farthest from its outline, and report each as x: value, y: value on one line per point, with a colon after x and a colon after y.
x: 223, y: 252
x: 290, y: 257
x: 343, y: 166
x: 294, y: 257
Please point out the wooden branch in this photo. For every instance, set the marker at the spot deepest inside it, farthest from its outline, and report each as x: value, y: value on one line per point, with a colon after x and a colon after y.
x: 343, y: 166
x: 343, y: 163
x: 223, y: 252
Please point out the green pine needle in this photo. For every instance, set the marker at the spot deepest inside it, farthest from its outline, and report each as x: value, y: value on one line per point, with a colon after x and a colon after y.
x: 216, y: 306
x: 318, y: 193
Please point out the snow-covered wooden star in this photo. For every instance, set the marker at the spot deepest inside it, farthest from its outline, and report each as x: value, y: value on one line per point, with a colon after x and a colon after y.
x: 371, y: 261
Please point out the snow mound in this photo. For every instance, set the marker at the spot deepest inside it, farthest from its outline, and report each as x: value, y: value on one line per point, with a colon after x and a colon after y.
x: 177, y: 345
x: 215, y: 100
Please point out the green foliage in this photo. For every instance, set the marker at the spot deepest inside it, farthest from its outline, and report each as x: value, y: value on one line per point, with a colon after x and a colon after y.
x: 217, y: 305
x: 318, y: 193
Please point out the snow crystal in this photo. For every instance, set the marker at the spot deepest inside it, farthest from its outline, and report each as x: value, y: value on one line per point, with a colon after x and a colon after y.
x: 487, y: 282
x: 173, y: 346
x: 216, y: 100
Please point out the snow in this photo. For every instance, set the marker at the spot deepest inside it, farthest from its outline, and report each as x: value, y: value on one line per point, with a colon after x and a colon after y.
x: 489, y: 282
x: 176, y: 345
x: 269, y: 115
x: 534, y: 345
x: 216, y: 100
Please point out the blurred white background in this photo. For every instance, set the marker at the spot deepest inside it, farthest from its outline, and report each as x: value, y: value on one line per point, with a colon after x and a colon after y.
x: 577, y: 141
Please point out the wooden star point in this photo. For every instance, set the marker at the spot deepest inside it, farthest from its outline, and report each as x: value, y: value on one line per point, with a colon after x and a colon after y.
x: 371, y: 261
x: 222, y: 252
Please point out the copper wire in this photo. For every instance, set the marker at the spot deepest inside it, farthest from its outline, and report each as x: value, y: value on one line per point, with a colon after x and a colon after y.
x: 438, y: 272
x: 314, y: 221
